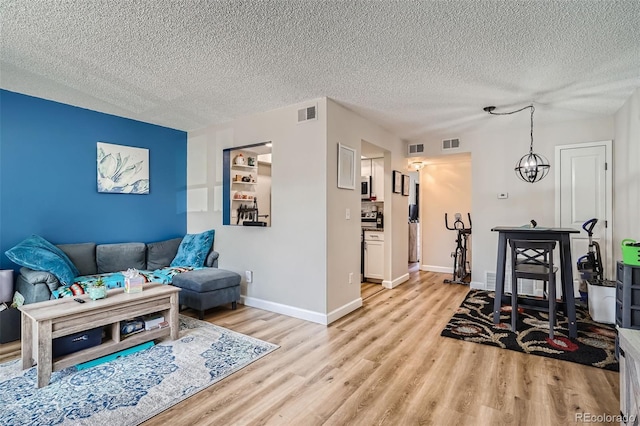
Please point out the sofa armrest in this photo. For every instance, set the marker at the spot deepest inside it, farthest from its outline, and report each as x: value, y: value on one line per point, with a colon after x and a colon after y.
x: 36, y: 286
x: 40, y: 277
x: 212, y: 259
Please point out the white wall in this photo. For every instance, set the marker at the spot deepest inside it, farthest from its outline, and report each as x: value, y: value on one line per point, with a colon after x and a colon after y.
x: 445, y: 187
x: 301, y: 263
x: 626, y: 173
x: 494, y: 153
x: 343, y: 238
x: 288, y: 258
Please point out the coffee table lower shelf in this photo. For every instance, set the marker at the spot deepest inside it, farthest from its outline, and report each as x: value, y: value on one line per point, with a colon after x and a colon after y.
x: 44, y: 321
x: 108, y: 347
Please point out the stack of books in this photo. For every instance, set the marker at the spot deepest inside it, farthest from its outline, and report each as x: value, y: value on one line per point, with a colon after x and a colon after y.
x: 153, y: 321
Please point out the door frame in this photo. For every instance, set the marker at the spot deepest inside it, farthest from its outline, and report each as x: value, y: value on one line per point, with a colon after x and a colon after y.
x: 608, y: 187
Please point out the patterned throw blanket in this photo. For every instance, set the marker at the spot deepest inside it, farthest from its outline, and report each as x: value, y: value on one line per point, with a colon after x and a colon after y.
x: 116, y: 280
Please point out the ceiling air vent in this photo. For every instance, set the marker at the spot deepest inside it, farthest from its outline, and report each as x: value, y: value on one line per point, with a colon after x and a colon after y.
x: 416, y: 148
x: 306, y: 114
x: 450, y: 144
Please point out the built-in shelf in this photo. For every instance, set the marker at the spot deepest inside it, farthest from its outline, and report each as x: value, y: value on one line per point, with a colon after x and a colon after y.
x: 243, y: 182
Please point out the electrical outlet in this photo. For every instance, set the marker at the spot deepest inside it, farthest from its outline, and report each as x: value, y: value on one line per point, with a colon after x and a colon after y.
x: 249, y: 276
x: 350, y: 277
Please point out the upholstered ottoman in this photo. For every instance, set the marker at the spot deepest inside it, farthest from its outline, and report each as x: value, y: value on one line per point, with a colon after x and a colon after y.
x: 205, y: 288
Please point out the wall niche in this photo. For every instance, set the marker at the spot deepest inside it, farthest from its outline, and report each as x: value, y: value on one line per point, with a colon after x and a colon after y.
x: 247, y: 185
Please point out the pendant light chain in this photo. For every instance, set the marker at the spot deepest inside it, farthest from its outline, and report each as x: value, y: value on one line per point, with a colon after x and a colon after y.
x: 532, y: 167
x: 531, y: 145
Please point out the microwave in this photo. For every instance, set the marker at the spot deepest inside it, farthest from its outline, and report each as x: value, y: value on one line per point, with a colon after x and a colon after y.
x: 365, y: 187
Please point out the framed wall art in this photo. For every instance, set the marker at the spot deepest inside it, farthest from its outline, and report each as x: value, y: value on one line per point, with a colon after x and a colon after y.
x: 346, y: 167
x: 397, y: 182
x: 122, y: 169
x: 405, y: 184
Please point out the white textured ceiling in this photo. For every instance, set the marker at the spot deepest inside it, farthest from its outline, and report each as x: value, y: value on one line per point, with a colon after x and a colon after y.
x: 420, y: 69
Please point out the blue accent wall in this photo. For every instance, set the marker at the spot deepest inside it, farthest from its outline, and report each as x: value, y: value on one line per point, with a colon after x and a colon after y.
x: 48, y: 176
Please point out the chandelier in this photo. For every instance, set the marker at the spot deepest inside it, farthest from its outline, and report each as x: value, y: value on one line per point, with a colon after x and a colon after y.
x: 531, y: 167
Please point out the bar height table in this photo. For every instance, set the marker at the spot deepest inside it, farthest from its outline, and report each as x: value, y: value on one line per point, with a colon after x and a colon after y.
x: 561, y: 235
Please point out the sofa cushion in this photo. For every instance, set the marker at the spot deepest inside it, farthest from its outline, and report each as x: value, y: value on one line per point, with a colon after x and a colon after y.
x: 160, y: 254
x: 207, y: 279
x: 194, y: 249
x: 39, y: 254
x: 83, y: 256
x: 120, y: 257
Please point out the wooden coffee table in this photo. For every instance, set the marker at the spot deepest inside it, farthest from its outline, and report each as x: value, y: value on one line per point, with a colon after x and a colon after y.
x: 44, y: 321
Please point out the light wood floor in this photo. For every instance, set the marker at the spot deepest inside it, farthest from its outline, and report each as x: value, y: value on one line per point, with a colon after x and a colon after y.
x: 387, y: 364
x: 368, y: 289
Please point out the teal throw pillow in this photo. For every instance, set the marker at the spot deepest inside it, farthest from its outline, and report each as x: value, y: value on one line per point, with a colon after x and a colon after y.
x: 194, y: 249
x: 39, y: 254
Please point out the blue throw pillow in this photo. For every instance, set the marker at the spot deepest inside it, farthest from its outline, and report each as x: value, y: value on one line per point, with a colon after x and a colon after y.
x: 194, y: 249
x: 40, y: 255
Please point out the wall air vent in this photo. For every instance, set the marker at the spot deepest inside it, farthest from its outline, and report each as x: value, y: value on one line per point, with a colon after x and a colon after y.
x: 450, y: 144
x: 416, y: 148
x: 527, y: 287
x: 306, y: 114
x: 490, y: 280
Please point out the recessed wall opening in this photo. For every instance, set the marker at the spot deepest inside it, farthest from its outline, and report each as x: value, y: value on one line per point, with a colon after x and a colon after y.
x: 246, y: 185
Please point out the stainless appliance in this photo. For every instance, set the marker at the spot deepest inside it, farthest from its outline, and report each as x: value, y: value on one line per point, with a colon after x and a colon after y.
x: 365, y: 187
x: 372, y: 220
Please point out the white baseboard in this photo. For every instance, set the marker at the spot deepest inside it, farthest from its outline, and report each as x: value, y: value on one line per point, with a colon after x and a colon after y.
x: 396, y: 282
x: 433, y: 268
x: 303, y: 314
x: 477, y: 285
x: 344, y: 310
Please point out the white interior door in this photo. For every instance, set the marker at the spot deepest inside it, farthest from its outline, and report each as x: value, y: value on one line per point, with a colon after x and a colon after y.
x: 583, y: 192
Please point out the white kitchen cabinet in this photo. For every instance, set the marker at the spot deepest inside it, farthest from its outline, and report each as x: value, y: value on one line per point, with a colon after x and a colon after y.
x: 374, y: 255
x: 377, y: 176
x: 365, y: 167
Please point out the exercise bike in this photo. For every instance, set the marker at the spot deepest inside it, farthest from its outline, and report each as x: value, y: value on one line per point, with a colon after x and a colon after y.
x: 460, y: 263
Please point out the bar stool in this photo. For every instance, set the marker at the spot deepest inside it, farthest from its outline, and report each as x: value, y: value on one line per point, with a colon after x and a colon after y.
x: 533, y: 259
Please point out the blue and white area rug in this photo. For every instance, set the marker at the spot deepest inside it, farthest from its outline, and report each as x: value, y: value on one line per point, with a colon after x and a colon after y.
x: 130, y: 389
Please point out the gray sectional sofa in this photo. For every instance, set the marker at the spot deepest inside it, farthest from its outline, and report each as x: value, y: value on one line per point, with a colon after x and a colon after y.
x: 201, y: 288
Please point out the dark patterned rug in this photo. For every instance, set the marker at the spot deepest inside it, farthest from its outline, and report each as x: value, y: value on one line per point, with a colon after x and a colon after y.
x: 473, y: 322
